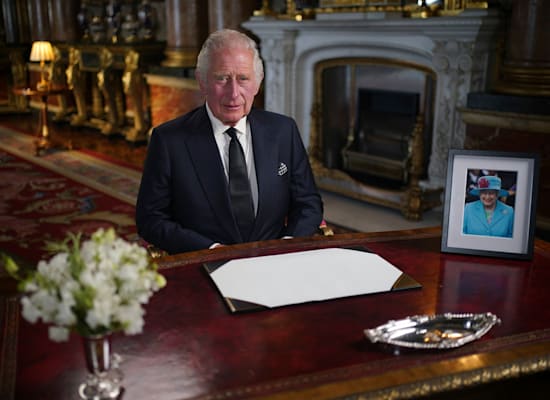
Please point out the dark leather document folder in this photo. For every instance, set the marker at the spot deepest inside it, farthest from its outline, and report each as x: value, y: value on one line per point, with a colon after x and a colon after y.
x: 264, y: 282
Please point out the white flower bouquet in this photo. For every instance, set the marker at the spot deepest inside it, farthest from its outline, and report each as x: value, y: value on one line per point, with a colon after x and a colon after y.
x: 94, y: 287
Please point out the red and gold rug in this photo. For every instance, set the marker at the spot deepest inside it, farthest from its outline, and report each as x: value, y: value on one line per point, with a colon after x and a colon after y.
x: 44, y: 198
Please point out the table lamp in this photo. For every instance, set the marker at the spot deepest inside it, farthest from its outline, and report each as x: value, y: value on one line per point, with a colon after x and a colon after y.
x: 42, y: 51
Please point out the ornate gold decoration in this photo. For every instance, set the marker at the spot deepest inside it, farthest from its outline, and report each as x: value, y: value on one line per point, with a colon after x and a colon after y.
x: 409, y: 8
x: 134, y: 87
x: 359, y: 6
x: 58, y: 78
x: 265, y: 10
x: 180, y: 58
x: 293, y: 13
x: 19, y: 77
x: 505, y: 120
x: 454, y: 7
x: 108, y: 84
x: 77, y: 83
x: 422, y: 11
x: 523, y: 81
x: 340, y: 3
x: 412, y: 206
x: 109, y: 87
x: 515, y: 369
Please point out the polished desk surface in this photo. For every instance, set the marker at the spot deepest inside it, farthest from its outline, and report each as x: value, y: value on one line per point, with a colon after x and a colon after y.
x: 193, y: 347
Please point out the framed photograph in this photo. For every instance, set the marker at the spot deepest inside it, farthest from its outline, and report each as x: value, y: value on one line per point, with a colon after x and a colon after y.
x: 490, y: 203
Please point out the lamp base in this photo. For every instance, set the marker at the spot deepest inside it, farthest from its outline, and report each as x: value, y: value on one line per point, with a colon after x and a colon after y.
x: 41, y: 144
x: 43, y: 85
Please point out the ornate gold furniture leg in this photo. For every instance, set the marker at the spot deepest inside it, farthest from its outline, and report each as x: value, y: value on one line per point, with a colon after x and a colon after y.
x: 412, y: 204
x: 110, y: 89
x: 134, y: 88
x: 77, y: 83
x: 106, y: 84
x: 57, y: 75
x: 97, y: 99
x: 19, y: 76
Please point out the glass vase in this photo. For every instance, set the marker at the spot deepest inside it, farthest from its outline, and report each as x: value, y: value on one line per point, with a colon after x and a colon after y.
x: 104, y: 375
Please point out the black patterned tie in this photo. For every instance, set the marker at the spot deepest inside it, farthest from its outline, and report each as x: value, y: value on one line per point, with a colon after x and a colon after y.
x: 239, y: 186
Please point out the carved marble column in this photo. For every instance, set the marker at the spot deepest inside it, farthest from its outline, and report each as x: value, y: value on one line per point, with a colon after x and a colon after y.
x: 229, y: 13
x: 16, y: 22
x: 63, y: 21
x: 457, y: 75
x: 186, y: 29
x: 13, y: 54
x: 38, y: 19
x: 278, y: 53
x: 526, y: 65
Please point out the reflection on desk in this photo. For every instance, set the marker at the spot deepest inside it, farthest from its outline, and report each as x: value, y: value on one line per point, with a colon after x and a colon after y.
x: 193, y: 347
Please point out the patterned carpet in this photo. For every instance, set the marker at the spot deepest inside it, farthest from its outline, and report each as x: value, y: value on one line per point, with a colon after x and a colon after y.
x: 43, y: 198
x: 108, y: 177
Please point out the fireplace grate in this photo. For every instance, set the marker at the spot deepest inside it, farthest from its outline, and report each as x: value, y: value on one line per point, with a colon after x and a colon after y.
x: 382, y: 143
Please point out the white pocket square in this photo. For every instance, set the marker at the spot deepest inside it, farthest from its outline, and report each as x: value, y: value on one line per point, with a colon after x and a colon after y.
x: 282, y: 169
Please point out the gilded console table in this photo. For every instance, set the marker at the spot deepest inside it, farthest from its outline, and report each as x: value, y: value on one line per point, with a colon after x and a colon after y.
x: 109, y: 88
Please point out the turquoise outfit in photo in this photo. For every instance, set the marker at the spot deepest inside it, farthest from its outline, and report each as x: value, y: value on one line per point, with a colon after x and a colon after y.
x: 501, y: 222
x: 475, y: 221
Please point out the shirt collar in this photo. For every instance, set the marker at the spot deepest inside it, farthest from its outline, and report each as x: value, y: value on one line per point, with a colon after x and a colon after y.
x: 219, y: 127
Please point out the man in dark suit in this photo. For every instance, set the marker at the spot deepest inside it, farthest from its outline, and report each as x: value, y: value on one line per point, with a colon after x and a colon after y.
x: 186, y: 202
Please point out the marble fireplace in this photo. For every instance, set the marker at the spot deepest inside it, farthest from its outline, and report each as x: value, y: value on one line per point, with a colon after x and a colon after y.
x: 454, y: 51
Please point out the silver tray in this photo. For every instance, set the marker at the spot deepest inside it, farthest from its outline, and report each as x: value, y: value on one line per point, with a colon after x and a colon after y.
x: 443, y: 331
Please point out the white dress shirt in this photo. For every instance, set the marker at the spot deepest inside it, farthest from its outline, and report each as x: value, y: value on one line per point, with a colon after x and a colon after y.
x: 245, y: 139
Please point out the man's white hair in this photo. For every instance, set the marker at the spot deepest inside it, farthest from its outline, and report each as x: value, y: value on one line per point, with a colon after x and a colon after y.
x: 228, y: 38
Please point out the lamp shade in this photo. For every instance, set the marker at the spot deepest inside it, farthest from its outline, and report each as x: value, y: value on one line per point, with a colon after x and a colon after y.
x: 41, y: 51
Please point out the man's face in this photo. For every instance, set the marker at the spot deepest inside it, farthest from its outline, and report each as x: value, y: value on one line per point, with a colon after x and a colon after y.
x: 230, y: 84
x: 488, y: 198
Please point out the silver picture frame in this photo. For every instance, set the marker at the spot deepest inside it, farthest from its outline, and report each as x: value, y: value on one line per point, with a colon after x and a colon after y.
x: 519, y: 175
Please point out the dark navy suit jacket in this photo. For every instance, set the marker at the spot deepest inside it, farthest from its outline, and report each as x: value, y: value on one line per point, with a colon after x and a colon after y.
x: 183, y: 202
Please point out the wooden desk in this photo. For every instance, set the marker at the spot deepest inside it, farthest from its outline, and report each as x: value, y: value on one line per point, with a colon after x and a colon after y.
x: 193, y: 347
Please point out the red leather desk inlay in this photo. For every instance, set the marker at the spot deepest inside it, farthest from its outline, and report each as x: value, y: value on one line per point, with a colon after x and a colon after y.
x: 194, y: 347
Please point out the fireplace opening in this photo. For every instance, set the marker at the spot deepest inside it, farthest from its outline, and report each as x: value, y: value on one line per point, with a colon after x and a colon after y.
x: 372, y: 129
x: 381, y: 145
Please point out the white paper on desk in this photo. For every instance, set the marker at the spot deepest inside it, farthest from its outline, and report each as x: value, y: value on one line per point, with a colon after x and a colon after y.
x: 312, y: 275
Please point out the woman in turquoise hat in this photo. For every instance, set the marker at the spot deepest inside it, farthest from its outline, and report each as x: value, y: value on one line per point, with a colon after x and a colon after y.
x: 488, y: 216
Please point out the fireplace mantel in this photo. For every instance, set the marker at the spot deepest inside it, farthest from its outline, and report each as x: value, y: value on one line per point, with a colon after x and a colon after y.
x: 458, y: 49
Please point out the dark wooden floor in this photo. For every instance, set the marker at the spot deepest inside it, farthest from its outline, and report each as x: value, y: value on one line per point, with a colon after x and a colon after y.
x: 61, y: 133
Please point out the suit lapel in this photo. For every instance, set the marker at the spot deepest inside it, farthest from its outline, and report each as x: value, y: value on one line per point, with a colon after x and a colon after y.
x: 204, y: 154
x: 265, y: 159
